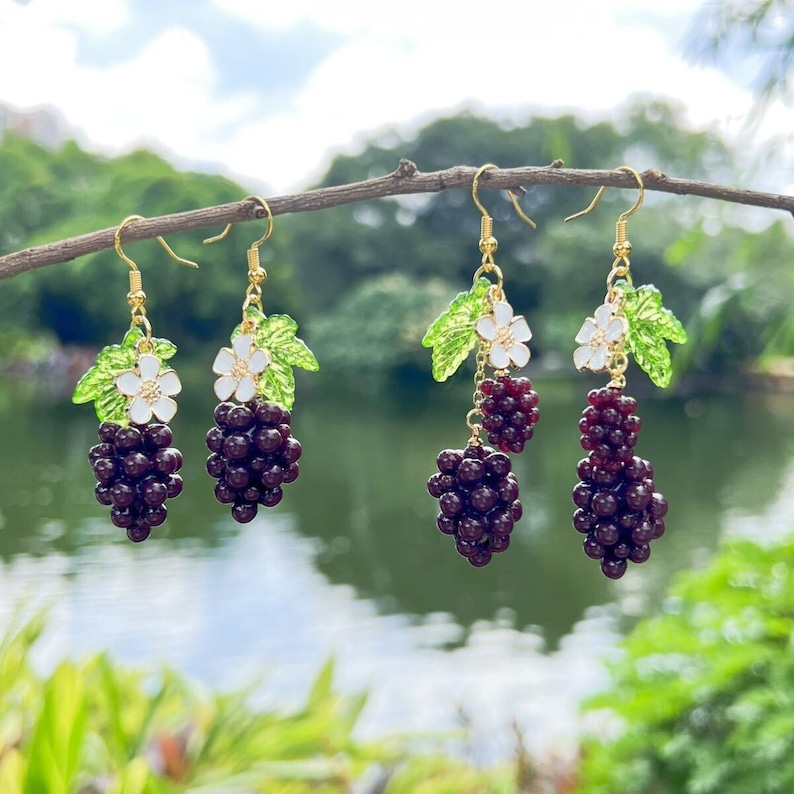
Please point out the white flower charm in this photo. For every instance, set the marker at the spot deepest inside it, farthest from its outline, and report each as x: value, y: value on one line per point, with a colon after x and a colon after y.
x: 506, y: 334
x: 597, y: 336
x: 151, y: 390
x: 239, y: 367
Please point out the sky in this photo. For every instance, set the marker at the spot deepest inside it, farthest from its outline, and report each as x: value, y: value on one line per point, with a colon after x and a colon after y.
x: 266, y: 92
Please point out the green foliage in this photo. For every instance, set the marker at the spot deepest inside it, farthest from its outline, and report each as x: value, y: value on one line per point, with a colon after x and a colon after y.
x: 649, y: 325
x: 57, y: 744
x: 49, y: 195
x: 276, y: 335
x: 553, y: 274
x: 94, y: 725
x: 378, y: 326
x: 99, y: 382
x: 737, y: 294
x: 452, y: 335
x: 326, y: 266
x: 704, y: 691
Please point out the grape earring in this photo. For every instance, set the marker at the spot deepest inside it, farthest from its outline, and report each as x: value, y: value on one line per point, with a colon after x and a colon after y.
x: 132, y: 389
x: 475, y: 487
x: 253, y: 450
x: 618, y: 507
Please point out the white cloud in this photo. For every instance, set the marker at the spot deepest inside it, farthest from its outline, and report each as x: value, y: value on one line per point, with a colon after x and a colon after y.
x: 394, y: 73
x: 162, y: 94
x: 392, y: 67
x: 98, y: 17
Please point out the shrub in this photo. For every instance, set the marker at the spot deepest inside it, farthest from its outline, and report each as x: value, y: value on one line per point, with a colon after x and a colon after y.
x: 704, y: 693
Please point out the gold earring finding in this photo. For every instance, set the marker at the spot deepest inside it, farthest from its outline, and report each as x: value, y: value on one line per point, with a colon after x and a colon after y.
x: 136, y: 297
x: 622, y: 247
x: 513, y: 198
x: 262, y: 239
x: 257, y: 275
x: 488, y: 243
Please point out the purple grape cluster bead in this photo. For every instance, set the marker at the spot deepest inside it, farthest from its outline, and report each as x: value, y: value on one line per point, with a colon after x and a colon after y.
x: 253, y: 455
x: 619, y: 509
x: 510, y: 412
x: 136, y: 470
x: 478, y: 500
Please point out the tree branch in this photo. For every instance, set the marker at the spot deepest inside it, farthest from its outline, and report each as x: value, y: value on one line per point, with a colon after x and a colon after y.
x: 404, y: 181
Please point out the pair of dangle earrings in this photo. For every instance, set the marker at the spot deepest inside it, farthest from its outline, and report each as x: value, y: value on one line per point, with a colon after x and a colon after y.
x: 253, y: 450
x: 476, y: 489
x: 618, y: 508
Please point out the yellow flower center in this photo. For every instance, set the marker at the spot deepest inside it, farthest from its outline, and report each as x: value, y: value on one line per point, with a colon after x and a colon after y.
x: 240, y: 369
x: 150, y: 391
x: 504, y: 337
x: 599, y: 338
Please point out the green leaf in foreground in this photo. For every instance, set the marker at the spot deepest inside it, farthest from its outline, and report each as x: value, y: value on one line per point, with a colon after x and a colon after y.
x: 702, y: 688
x: 452, y: 335
x: 57, y: 744
x: 650, y: 324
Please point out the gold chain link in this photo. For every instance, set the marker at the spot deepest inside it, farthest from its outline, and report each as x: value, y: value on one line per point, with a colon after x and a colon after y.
x: 618, y: 361
x: 617, y: 366
x: 483, y: 349
x: 477, y: 398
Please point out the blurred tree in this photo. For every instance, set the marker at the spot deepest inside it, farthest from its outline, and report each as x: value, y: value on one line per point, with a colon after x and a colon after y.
x: 434, y: 237
x: 50, y: 195
x: 745, y: 317
x: 749, y: 37
x: 333, y: 270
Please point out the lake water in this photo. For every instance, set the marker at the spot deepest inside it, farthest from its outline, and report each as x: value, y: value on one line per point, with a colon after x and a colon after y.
x: 350, y: 564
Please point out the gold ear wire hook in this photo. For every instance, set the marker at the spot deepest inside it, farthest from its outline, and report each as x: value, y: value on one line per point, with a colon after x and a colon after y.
x: 474, y: 194
x: 623, y: 215
x: 488, y: 243
x: 257, y: 275
x: 622, y: 247
x: 253, y: 251
x: 136, y: 297
x: 228, y: 228
x: 167, y: 248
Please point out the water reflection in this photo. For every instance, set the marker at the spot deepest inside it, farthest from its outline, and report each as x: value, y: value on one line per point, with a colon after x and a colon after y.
x: 351, y: 563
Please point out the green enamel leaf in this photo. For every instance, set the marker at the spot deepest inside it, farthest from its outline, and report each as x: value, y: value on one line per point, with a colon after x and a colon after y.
x: 649, y: 325
x: 114, y: 358
x: 131, y: 338
x: 111, y: 406
x: 256, y: 316
x: 99, y: 383
x: 163, y: 348
x: 297, y: 354
x: 89, y: 385
x: 278, y: 383
x: 276, y: 330
x: 452, y: 335
x: 644, y: 305
x: 277, y: 336
x: 111, y: 361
